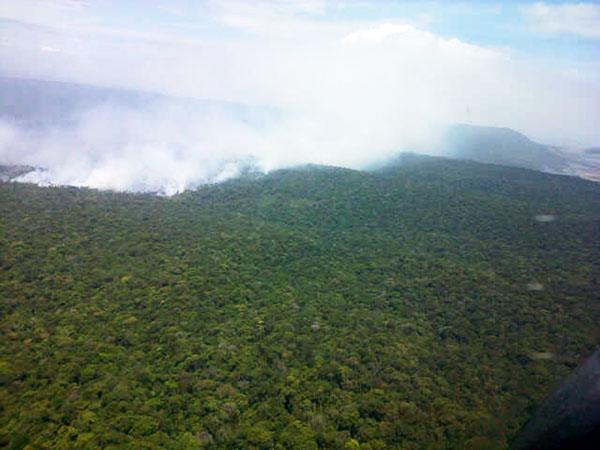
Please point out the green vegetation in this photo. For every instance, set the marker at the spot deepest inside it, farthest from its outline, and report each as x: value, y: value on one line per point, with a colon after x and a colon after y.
x: 420, y: 306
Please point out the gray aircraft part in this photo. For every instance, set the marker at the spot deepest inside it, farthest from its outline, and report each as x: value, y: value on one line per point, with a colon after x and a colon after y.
x: 570, y: 417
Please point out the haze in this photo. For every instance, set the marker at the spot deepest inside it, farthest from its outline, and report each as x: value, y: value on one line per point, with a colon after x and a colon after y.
x: 331, y: 82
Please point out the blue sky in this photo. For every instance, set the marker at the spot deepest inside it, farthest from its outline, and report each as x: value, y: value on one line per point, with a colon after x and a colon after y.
x: 532, y: 66
x: 509, y: 24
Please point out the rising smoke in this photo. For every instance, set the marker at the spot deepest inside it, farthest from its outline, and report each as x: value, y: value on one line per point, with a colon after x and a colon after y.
x: 348, y: 101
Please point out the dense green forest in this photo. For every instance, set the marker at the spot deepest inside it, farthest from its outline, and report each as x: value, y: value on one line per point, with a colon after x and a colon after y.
x: 431, y: 304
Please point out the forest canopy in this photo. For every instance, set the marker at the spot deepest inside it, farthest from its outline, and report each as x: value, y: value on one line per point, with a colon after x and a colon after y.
x: 430, y: 304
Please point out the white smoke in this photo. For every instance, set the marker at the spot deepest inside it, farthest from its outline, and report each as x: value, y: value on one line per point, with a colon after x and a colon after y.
x: 345, y: 99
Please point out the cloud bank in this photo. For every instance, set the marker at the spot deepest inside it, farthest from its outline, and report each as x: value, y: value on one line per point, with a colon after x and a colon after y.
x: 346, y: 93
x: 581, y: 19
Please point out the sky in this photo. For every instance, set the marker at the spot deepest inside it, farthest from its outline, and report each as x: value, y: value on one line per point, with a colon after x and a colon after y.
x: 354, y: 78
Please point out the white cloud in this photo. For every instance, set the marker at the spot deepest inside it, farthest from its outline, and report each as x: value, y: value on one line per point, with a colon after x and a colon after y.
x: 62, y: 4
x: 410, y: 36
x: 269, y: 8
x: 47, y: 48
x: 582, y: 19
x: 42, y: 12
x: 379, y: 33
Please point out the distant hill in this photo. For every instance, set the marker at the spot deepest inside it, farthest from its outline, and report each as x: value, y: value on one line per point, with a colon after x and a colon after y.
x: 9, y: 173
x: 38, y: 103
x: 506, y: 147
x: 501, y: 146
x: 46, y: 103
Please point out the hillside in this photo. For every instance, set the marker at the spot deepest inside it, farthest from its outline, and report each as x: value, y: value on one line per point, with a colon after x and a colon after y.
x: 37, y: 104
x: 501, y: 146
x: 432, y: 305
